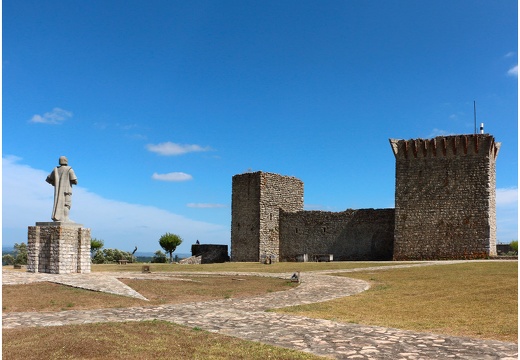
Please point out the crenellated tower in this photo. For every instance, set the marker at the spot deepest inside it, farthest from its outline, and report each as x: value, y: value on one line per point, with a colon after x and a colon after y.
x: 445, y: 197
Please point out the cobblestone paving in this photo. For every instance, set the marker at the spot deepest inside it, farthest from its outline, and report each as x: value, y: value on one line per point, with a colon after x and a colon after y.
x: 248, y: 319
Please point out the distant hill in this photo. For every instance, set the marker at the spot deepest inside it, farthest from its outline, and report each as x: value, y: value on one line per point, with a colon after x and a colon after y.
x: 150, y: 254
x: 141, y: 255
x: 10, y: 248
x: 7, y: 249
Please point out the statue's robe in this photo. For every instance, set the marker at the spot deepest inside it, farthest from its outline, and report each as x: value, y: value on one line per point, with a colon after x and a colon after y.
x: 62, y: 178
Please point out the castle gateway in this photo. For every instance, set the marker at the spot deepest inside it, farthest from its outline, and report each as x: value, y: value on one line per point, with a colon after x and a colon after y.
x: 445, y: 208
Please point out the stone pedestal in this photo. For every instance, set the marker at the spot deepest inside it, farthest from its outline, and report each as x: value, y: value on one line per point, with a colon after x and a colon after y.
x: 58, y: 248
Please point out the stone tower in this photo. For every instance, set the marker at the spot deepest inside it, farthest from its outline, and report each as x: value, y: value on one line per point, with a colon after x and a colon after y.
x: 255, y: 211
x: 445, y: 197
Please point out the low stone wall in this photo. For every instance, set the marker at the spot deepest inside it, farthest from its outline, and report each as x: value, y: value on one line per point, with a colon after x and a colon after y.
x: 192, y: 260
x: 364, y: 234
x: 210, y: 253
x: 503, y: 249
x: 58, y: 248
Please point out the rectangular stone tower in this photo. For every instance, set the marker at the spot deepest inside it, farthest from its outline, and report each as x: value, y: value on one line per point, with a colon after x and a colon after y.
x: 255, y: 211
x: 445, y: 197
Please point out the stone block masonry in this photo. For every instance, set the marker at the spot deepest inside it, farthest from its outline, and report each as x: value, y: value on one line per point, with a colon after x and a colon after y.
x: 255, y: 210
x: 364, y: 234
x: 58, y: 248
x: 445, y: 201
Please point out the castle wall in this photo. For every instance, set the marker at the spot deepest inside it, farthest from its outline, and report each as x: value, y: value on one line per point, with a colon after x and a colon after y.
x: 255, y: 209
x: 365, y: 234
x: 445, y: 201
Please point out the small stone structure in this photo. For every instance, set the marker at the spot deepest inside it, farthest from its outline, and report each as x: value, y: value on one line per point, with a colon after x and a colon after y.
x: 192, y: 260
x: 58, y: 248
x: 210, y: 254
x: 445, y: 208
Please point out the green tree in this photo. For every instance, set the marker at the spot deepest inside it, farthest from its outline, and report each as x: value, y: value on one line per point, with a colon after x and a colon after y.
x: 7, y: 259
x: 169, y: 243
x: 98, y: 258
x: 20, y: 253
x: 95, y: 245
x: 159, y: 257
x: 514, y: 245
x: 107, y: 256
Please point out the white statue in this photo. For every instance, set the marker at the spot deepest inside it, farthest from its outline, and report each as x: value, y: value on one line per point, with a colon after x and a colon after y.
x: 62, y: 178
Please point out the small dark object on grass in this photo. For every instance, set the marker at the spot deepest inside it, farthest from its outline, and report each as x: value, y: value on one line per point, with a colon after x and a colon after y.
x: 295, y: 277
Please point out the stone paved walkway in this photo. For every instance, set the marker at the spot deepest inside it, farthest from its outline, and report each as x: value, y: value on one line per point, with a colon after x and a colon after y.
x: 248, y: 319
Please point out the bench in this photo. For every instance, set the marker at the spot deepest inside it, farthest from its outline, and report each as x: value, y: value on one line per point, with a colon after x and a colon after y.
x: 122, y: 262
x: 323, y: 257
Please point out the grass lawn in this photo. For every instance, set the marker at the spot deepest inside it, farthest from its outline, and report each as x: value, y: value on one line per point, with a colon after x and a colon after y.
x: 476, y: 299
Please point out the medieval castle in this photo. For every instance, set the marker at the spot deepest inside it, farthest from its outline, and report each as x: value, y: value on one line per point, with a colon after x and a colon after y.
x: 445, y: 208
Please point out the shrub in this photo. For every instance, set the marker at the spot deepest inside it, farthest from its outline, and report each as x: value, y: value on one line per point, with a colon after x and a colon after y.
x: 514, y: 246
x: 107, y: 256
x: 20, y: 253
x: 8, y: 259
x: 159, y: 257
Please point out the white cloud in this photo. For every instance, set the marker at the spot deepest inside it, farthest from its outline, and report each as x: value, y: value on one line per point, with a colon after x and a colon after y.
x: 205, y: 206
x: 173, y: 176
x: 513, y: 71
x: 507, y: 196
x: 54, y: 117
x: 507, y: 214
x: 172, y: 149
x: 438, y: 132
x: 28, y: 199
x: 510, y: 54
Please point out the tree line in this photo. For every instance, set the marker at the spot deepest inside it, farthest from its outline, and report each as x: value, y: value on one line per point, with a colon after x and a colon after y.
x: 168, y: 242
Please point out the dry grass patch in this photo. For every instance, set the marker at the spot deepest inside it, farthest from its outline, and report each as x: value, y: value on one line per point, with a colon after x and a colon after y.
x: 477, y: 299
x: 134, y: 340
x: 204, y: 288
x: 55, y: 297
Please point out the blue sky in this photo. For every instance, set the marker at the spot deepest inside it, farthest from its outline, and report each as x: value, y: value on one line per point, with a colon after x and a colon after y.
x: 157, y: 104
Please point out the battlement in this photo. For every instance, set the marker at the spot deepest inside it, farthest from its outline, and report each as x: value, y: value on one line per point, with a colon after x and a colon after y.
x: 446, y: 146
